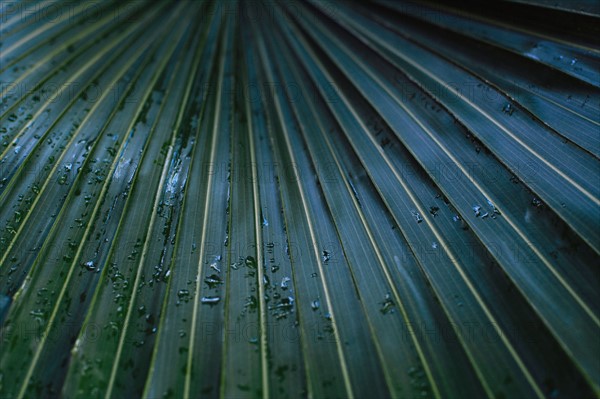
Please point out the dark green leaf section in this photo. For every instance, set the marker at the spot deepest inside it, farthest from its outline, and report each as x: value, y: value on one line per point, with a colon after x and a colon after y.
x: 315, y: 199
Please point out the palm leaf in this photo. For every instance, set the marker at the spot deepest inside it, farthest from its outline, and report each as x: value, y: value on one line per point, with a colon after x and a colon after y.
x: 247, y: 199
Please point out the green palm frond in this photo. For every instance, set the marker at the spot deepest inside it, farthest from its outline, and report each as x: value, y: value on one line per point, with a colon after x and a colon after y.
x: 314, y: 199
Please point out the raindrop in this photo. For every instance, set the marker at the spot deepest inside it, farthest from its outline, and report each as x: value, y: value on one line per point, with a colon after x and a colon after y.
x: 37, y: 314
x: 284, y: 307
x: 287, y: 302
x: 284, y: 283
x: 90, y: 265
x: 251, y: 302
x: 417, y: 216
x: 508, y: 109
x: 495, y: 210
x: 183, y: 295
x: 251, y: 262
x: 536, y: 202
x: 477, y: 210
x: 210, y: 300
x: 326, y: 256
x: 387, y: 306
x: 214, y: 266
x: 315, y: 304
x: 213, y: 280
